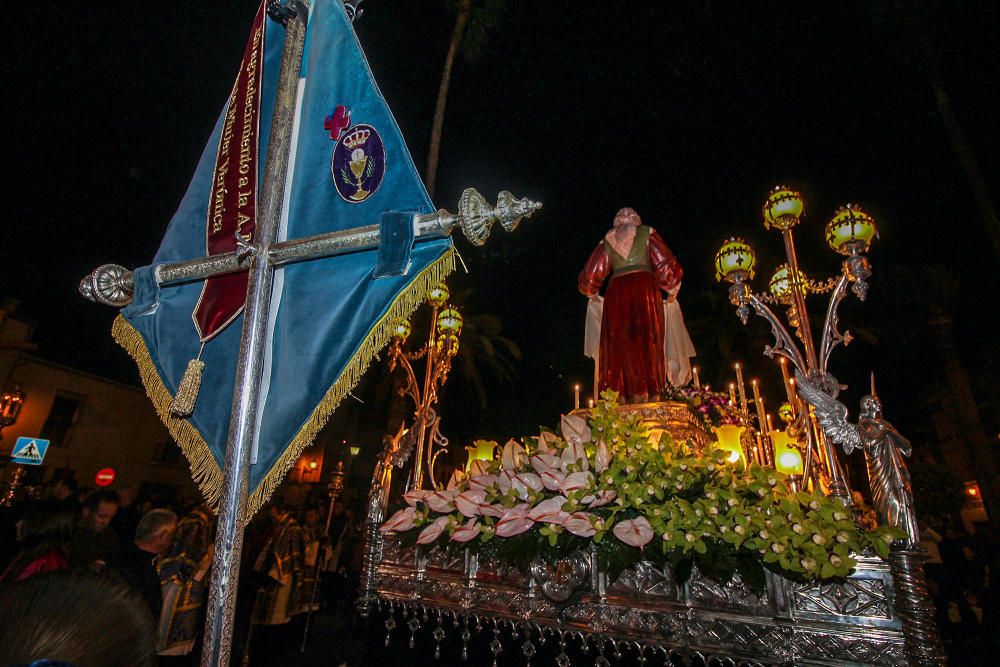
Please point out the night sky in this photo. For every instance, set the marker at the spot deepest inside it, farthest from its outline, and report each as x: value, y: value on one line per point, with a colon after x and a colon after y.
x: 687, y: 111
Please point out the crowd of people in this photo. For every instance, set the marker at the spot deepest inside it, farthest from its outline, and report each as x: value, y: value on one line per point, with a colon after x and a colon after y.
x: 961, y: 570
x: 78, y: 566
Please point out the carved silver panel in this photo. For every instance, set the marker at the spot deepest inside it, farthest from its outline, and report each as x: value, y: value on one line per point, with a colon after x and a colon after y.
x: 860, y: 598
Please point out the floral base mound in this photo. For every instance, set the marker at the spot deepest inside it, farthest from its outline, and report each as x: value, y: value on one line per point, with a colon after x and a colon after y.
x: 601, y: 531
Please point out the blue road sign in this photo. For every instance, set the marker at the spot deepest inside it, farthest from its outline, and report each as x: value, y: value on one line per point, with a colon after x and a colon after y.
x: 29, y: 451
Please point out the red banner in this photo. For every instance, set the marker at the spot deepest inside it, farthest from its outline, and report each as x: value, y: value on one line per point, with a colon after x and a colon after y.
x: 232, y: 205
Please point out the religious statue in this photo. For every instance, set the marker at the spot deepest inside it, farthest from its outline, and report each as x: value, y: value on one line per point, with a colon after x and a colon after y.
x: 643, y: 343
x: 884, y: 448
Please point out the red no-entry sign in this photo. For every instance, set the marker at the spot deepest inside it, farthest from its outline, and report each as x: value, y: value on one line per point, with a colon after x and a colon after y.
x: 104, y: 477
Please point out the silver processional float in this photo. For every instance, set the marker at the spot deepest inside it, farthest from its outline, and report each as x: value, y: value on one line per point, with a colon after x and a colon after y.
x: 878, y: 615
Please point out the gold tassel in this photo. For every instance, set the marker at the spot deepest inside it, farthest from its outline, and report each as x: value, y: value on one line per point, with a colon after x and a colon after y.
x: 187, y: 392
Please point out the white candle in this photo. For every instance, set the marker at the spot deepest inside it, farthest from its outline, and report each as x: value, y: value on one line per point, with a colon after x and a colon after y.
x: 576, y: 397
x: 741, y: 388
x: 694, y: 374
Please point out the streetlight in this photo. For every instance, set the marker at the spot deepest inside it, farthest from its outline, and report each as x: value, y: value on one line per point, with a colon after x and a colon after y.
x: 849, y: 233
x: 441, y: 346
x: 11, y: 402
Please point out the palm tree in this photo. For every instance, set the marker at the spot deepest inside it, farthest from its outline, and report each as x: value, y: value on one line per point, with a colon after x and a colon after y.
x: 473, y: 21
x: 916, y: 21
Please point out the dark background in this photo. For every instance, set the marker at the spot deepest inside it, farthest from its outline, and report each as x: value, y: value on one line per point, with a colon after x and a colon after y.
x: 689, y: 112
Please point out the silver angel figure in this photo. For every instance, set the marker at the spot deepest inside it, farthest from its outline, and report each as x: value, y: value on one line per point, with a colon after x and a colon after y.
x: 884, y: 448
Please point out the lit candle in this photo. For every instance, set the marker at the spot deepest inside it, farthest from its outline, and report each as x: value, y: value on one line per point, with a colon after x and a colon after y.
x: 590, y: 403
x: 759, y: 403
x: 576, y: 397
x: 787, y: 380
x: 694, y: 374
x: 761, y: 421
x: 770, y: 426
x: 732, y: 394
x: 741, y: 388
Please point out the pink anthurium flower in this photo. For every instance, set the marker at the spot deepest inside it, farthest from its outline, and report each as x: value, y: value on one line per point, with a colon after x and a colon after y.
x: 575, y: 429
x: 552, y: 479
x: 579, y: 523
x: 469, y: 502
x: 479, y: 467
x: 634, y: 532
x: 530, y: 480
x: 574, y: 453
x: 468, y: 531
x: 603, y: 498
x: 576, y: 481
x: 482, y: 481
x: 492, y: 510
x: 549, y: 511
x: 504, y: 481
x: 513, y: 455
x: 433, y: 531
x: 441, y: 501
x: 543, y: 462
x: 603, y: 457
x: 457, y: 477
x: 546, y: 442
x: 514, y: 521
x: 418, y: 496
x: 400, y: 521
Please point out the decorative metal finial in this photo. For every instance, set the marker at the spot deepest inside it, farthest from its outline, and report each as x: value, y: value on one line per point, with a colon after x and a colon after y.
x: 108, y: 284
x: 476, y: 217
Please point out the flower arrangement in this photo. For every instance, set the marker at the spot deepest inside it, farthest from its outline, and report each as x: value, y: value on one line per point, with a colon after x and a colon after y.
x: 601, y: 483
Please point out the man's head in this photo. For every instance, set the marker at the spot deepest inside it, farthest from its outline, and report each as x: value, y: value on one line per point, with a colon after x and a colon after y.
x: 277, y: 512
x: 311, y: 517
x: 64, y: 488
x: 627, y: 216
x: 156, y: 531
x: 338, y: 508
x: 100, y: 509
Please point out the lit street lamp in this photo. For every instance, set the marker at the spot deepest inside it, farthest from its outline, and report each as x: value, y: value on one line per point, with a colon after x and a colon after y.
x: 848, y: 233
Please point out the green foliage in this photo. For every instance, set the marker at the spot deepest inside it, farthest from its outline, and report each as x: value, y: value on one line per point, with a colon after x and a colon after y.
x: 702, y: 510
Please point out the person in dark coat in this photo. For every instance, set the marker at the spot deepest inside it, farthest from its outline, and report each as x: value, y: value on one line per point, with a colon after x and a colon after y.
x: 136, y: 564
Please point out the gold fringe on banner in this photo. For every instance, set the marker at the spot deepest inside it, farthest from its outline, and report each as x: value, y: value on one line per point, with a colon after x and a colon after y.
x: 204, y: 469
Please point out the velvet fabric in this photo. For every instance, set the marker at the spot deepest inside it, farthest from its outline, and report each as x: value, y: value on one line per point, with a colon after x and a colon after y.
x: 631, y: 359
x: 326, y: 309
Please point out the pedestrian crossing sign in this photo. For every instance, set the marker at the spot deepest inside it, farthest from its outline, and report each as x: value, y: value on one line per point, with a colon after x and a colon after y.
x: 29, y: 451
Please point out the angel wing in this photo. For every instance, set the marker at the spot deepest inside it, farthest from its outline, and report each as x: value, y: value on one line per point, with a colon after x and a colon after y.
x: 831, y: 413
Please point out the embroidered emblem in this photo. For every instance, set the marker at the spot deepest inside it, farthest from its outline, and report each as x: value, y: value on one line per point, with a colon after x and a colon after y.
x: 337, y: 122
x: 358, y: 164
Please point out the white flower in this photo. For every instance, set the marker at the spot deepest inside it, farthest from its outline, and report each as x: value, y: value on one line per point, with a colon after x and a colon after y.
x: 818, y: 539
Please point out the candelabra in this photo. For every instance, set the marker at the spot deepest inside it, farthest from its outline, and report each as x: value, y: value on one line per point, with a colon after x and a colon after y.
x: 441, y: 347
x: 849, y: 233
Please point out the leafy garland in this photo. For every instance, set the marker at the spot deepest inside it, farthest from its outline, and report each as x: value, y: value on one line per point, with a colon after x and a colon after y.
x: 603, y: 483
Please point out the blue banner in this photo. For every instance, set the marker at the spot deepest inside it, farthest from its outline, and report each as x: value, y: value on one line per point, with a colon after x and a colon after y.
x: 349, y: 167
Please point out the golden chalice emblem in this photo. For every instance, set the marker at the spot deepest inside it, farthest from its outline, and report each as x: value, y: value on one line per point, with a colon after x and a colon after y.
x: 360, y: 168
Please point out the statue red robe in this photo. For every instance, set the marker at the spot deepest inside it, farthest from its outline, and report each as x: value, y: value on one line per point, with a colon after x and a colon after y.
x: 631, y: 359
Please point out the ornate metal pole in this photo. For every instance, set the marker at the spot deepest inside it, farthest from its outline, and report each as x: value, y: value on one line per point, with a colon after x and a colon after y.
x: 242, y: 424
